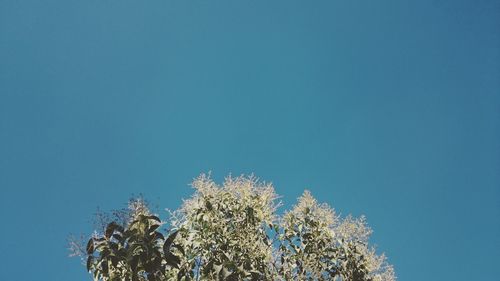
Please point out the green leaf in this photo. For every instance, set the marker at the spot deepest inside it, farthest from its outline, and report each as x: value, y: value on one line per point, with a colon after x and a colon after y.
x: 172, y: 260
x: 105, y: 268
x: 218, y: 268
x: 169, y: 241
x: 225, y: 272
x: 90, y: 260
x: 110, y: 229
x: 114, y: 260
x: 118, y: 237
x: 134, y: 262
x: 154, y: 218
x: 180, y: 248
x: 90, y: 246
x: 208, y: 205
x: 153, y: 228
x: 208, y: 267
x: 157, y: 235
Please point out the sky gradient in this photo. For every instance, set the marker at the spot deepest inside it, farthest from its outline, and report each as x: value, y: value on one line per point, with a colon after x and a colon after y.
x: 389, y: 109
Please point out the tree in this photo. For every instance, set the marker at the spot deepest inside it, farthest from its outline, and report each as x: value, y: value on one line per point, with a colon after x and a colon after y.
x: 233, y: 232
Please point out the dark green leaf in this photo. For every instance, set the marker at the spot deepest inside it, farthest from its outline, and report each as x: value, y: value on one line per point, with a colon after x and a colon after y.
x: 154, y: 218
x: 153, y: 228
x: 114, y: 260
x: 105, y: 268
x: 118, y: 237
x: 180, y: 248
x: 110, y: 229
x: 172, y: 260
x: 90, y: 246
x: 134, y: 262
x: 169, y: 241
x: 157, y: 235
x: 90, y: 259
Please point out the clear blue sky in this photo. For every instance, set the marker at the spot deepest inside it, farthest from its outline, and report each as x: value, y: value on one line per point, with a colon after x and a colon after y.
x: 385, y: 108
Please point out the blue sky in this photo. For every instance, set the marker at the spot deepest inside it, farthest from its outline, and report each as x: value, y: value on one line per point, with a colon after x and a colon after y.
x: 385, y: 108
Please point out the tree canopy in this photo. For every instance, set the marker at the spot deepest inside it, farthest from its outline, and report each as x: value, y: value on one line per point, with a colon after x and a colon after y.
x: 234, y: 232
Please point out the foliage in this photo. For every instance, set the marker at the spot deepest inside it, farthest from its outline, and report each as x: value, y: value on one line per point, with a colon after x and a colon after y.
x: 133, y: 251
x: 233, y: 232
